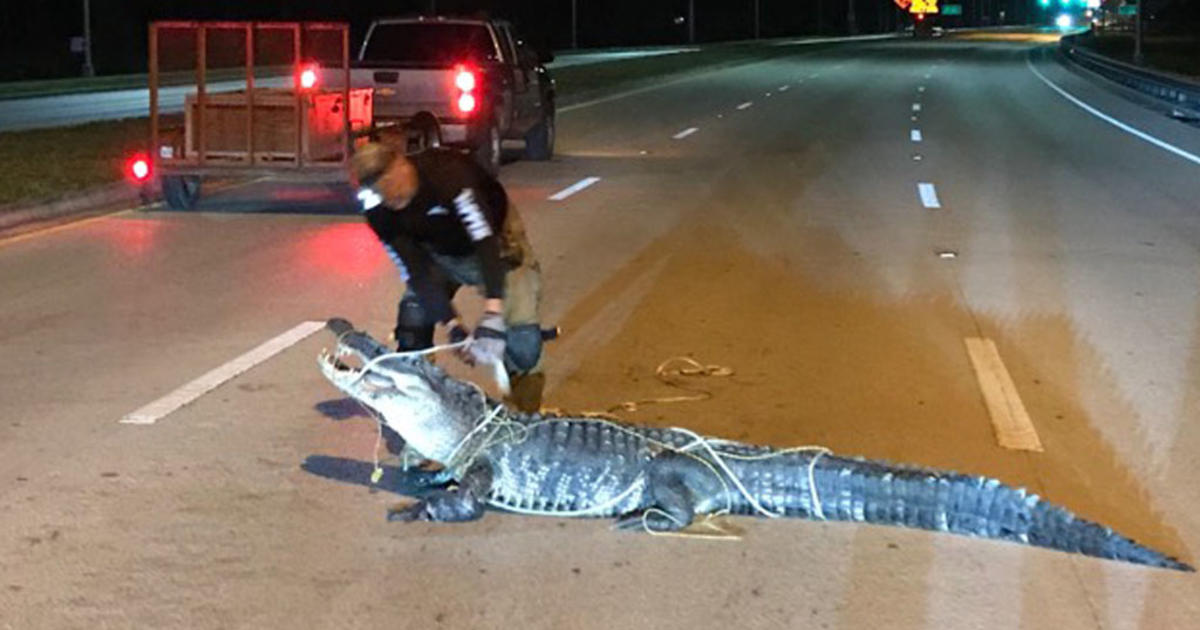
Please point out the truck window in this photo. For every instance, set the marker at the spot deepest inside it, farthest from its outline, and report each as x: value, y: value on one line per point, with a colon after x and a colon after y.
x: 433, y: 43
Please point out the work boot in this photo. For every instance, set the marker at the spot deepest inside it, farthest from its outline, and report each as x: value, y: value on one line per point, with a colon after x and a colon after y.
x: 526, y: 391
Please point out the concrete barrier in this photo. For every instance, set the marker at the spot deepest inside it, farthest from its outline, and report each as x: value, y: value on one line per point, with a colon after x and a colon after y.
x: 1181, y: 94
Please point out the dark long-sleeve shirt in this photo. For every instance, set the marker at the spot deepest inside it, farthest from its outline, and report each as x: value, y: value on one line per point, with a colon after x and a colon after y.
x: 459, y: 210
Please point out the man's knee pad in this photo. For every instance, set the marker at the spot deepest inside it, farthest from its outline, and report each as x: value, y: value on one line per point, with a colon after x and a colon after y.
x: 412, y: 332
x: 524, y: 349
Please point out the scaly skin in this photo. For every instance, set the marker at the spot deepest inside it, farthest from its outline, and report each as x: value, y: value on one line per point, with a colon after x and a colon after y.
x: 661, y: 479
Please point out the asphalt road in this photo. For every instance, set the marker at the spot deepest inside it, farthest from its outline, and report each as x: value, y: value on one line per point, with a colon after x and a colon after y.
x: 787, y: 237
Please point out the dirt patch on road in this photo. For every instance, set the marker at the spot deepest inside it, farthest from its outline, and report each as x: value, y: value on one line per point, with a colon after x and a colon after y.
x: 818, y: 363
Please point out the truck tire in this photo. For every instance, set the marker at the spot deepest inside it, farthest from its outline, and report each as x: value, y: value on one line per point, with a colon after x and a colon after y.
x: 487, y: 154
x: 181, y: 191
x: 539, y: 141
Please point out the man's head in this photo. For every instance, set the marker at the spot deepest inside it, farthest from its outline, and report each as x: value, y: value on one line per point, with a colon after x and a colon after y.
x: 383, y: 175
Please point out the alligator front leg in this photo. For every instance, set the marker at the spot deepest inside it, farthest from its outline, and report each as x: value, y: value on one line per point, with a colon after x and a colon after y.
x: 445, y: 505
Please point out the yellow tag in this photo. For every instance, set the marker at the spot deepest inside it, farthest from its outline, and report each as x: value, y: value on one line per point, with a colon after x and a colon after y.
x: 376, y: 475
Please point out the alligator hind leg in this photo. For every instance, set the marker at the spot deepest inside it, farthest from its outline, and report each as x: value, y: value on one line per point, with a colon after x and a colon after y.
x: 675, y: 484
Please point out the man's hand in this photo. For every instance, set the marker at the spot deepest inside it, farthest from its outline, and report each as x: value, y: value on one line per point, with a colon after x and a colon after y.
x: 488, y: 342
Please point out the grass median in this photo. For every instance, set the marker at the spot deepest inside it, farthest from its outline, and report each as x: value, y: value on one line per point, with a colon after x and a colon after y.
x: 49, y: 163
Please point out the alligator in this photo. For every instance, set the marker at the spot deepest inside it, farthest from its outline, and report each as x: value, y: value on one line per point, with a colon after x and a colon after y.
x: 661, y: 479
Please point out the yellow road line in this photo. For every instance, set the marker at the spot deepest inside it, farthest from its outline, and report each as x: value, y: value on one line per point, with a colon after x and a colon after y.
x: 1014, y: 428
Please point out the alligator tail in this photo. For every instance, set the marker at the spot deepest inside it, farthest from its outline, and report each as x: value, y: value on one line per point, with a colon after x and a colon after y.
x: 876, y: 492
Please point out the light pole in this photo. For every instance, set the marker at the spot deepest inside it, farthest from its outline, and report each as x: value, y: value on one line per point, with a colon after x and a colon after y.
x: 757, y: 21
x: 574, y: 24
x: 88, y: 69
x: 691, y: 21
x: 850, y: 21
x: 1137, y: 35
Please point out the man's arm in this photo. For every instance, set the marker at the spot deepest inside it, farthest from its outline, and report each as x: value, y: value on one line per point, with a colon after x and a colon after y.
x: 487, y: 247
x: 434, y: 300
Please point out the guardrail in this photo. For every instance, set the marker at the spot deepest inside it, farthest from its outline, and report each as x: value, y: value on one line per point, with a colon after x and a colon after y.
x: 1182, y: 95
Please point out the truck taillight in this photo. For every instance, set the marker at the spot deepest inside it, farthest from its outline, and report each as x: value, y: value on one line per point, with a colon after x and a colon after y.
x: 466, y: 103
x: 466, y: 82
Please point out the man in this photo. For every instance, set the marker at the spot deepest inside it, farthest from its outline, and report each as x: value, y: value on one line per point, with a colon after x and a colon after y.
x: 447, y: 223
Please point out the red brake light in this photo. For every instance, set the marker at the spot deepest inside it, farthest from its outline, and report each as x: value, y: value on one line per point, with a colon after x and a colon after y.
x: 139, y: 168
x: 308, y: 77
x: 465, y: 80
x: 466, y: 103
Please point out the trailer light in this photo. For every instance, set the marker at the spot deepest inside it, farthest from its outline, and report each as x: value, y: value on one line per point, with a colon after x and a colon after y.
x: 466, y: 103
x: 139, y: 168
x: 308, y: 77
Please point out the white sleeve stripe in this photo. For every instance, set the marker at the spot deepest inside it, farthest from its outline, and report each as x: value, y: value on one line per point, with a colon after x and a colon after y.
x: 468, y: 210
x: 395, y: 256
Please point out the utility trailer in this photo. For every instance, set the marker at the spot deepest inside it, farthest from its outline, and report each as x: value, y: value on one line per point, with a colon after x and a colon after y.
x: 257, y: 108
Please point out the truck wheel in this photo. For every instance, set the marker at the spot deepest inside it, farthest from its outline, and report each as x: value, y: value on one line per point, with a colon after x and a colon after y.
x: 539, y: 141
x: 181, y: 191
x: 488, y: 153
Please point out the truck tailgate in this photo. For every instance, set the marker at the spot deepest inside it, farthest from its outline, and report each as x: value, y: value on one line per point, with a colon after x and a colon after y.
x: 401, y: 92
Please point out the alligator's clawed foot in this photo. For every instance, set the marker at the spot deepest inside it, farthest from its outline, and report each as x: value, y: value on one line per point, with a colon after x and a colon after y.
x: 648, y: 520
x: 441, y: 506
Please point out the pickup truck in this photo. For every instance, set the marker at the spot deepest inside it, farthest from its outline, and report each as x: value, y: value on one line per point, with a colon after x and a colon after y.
x: 459, y: 82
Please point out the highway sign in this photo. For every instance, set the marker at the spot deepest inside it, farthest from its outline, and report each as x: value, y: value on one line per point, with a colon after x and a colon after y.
x: 923, y: 6
x: 952, y: 9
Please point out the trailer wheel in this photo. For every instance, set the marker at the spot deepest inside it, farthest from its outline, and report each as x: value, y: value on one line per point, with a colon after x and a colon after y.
x: 181, y: 191
x: 488, y: 152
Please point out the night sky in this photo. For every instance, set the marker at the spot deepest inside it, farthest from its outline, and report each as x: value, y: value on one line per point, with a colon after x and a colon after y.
x: 34, y: 34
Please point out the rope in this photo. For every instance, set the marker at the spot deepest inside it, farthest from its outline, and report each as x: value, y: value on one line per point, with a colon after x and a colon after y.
x: 695, y: 368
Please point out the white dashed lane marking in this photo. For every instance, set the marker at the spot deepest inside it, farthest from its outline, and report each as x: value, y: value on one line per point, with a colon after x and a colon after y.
x: 928, y: 195
x: 574, y: 188
x: 685, y: 133
x: 160, y: 408
x: 746, y: 105
x: 916, y: 107
x: 1014, y: 428
x: 915, y: 135
x: 784, y: 88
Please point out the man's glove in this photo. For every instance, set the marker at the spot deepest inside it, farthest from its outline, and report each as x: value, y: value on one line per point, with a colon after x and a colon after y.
x: 488, y: 342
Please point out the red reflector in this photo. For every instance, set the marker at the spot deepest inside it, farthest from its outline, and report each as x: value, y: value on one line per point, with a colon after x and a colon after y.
x: 465, y: 80
x: 466, y: 103
x: 140, y: 169
x: 308, y: 78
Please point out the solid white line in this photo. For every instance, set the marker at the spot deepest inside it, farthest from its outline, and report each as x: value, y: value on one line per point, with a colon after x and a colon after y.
x: 746, y: 105
x: 1013, y: 426
x: 928, y: 195
x: 1113, y: 121
x: 784, y: 88
x: 574, y: 188
x: 916, y: 107
x: 915, y: 135
x: 160, y: 408
x: 685, y: 133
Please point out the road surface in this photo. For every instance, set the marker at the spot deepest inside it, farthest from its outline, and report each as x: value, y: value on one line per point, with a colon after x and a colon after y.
x: 773, y: 218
